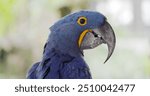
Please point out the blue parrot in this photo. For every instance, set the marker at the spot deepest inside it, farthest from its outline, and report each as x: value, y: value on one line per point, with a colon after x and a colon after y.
x: 69, y: 37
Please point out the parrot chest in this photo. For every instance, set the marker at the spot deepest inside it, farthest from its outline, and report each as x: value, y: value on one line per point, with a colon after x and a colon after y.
x: 75, y: 69
x: 65, y: 67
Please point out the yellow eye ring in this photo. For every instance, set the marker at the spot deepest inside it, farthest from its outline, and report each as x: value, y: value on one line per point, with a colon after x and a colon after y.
x: 82, y: 21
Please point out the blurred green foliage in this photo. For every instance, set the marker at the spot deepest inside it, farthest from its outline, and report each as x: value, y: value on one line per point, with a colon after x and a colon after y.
x: 7, y: 15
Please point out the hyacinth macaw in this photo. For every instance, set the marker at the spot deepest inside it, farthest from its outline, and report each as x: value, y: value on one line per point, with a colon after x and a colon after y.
x: 63, y: 51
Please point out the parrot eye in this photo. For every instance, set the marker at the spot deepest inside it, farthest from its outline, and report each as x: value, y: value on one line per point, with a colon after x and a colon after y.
x: 82, y: 21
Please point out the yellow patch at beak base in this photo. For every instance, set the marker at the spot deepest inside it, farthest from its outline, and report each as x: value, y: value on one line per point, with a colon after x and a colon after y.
x: 82, y: 35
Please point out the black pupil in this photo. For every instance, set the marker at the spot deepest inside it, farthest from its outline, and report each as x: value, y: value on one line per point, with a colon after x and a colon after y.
x: 82, y: 21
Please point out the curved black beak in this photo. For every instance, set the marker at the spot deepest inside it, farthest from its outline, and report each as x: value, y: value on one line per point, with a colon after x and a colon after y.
x: 108, y: 37
x: 95, y: 37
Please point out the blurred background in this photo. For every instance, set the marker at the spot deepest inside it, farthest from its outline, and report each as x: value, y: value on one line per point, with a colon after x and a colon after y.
x: 24, y: 28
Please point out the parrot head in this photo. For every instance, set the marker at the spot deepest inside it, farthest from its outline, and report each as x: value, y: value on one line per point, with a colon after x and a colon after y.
x: 82, y: 30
